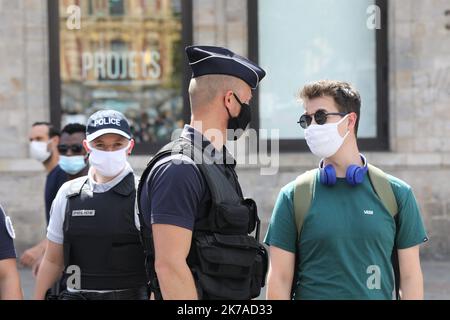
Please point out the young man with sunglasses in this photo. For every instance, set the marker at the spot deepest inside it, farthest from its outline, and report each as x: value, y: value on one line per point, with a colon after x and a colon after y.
x: 73, y: 157
x: 338, y: 240
x: 93, y: 234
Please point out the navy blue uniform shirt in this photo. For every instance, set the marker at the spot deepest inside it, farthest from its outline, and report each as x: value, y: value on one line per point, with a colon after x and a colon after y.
x: 6, y: 242
x: 176, y: 193
x: 55, y: 179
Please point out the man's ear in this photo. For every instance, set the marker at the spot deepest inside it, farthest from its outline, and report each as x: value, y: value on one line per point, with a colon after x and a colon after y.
x: 86, y: 146
x: 54, y: 141
x: 130, y: 149
x: 228, y: 101
x: 52, y: 145
x: 353, y: 117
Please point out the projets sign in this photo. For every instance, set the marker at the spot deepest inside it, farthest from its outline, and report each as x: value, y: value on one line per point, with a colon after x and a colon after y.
x: 127, y: 65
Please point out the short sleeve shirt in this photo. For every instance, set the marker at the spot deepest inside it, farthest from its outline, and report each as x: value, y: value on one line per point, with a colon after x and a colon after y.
x: 347, y: 239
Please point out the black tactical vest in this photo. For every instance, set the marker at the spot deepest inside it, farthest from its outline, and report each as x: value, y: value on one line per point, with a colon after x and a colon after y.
x: 227, y: 262
x: 100, y: 236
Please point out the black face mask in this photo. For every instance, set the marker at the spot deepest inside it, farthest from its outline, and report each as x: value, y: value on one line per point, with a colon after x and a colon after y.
x: 240, y: 122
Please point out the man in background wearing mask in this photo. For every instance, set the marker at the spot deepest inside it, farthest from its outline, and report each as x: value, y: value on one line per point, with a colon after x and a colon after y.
x: 44, y: 139
x: 93, y: 232
x: 176, y: 197
x: 72, y: 160
x: 349, y: 229
x: 72, y: 155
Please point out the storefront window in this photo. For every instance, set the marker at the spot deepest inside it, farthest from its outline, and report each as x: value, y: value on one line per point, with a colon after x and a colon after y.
x: 305, y: 41
x: 116, y: 7
x: 127, y: 55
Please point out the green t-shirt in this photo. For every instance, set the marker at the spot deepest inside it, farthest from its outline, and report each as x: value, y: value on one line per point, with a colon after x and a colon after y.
x: 347, y: 239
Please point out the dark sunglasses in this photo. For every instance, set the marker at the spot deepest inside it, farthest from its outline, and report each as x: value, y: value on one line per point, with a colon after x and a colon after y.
x: 320, y: 117
x: 64, y: 148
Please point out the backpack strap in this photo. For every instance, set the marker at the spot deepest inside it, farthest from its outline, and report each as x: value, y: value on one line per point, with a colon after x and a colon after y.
x: 383, y: 189
x: 303, y: 193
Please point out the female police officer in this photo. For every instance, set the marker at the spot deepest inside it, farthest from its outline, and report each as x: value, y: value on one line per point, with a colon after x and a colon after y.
x: 92, y: 231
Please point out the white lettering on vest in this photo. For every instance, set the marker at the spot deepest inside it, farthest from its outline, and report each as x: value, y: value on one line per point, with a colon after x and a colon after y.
x: 83, y: 213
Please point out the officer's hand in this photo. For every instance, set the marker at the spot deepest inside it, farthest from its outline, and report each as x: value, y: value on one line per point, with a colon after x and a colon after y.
x: 32, y: 255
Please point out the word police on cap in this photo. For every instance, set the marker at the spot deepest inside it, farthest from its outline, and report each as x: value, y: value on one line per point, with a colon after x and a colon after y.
x: 106, y: 121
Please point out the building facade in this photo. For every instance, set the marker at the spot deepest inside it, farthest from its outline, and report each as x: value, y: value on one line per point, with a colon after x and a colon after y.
x: 129, y: 55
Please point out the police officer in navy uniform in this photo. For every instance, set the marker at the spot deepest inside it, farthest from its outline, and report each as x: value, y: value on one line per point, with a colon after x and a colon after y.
x: 190, y: 197
x: 93, y: 231
x: 9, y: 277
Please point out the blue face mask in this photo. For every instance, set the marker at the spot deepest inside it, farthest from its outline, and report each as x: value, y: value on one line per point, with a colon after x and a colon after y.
x: 72, y: 165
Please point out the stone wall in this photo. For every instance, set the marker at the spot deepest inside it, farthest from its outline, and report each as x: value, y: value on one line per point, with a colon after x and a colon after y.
x: 24, y: 99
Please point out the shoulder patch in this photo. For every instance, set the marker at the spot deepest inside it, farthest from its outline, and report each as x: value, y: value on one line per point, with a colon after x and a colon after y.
x: 9, y: 227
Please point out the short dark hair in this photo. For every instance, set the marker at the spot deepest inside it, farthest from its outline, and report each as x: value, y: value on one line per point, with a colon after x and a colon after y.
x: 346, y: 97
x: 52, y: 131
x: 72, y: 128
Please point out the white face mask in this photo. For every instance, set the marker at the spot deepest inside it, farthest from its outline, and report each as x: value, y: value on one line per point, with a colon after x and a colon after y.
x: 324, y: 140
x: 38, y: 151
x: 108, y: 163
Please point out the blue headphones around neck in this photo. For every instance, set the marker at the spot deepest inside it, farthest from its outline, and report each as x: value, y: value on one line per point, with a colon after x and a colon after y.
x: 354, y: 176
